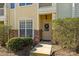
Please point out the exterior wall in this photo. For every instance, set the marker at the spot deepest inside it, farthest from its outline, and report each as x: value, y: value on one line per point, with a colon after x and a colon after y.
x: 64, y: 10
x: 13, y: 16
x: 10, y: 16
x: 27, y: 12
x: 23, y: 13
x: 2, y: 18
x: 37, y: 37
x: 13, y: 33
x: 76, y: 6
x: 47, y: 9
x: 44, y: 4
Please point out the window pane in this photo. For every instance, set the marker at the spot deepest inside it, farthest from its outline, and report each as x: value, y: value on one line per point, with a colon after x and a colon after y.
x: 1, y: 12
x: 29, y: 24
x: 28, y: 3
x: 22, y: 4
x: 22, y: 24
x: 1, y: 5
x: 22, y: 32
x: 29, y: 32
x: 12, y: 5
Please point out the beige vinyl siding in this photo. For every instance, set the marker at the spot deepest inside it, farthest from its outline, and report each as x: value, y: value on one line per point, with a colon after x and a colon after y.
x: 21, y: 13
x: 64, y: 10
x: 27, y: 12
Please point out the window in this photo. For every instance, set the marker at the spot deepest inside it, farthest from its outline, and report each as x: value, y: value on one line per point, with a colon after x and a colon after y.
x: 25, y: 4
x: 22, y: 4
x: 28, y: 3
x: 1, y: 12
x: 26, y: 28
x: 1, y: 5
x: 1, y: 9
x: 44, y: 4
x: 12, y: 5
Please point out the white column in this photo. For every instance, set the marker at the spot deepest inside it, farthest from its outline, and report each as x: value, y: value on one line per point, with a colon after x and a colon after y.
x: 15, y: 16
x: 53, y: 11
x: 73, y: 10
x: 5, y: 17
x: 37, y: 16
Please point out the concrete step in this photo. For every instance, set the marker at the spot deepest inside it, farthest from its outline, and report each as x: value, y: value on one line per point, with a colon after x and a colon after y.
x: 42, y: 49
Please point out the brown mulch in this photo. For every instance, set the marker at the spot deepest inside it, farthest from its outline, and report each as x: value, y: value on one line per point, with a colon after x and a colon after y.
x: 5, y: 52
x: 65, y: 52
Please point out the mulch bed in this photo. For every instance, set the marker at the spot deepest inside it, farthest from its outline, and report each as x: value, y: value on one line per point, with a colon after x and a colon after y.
x: 61, y: 52
x: 5, y: 52
x: 65, y: 52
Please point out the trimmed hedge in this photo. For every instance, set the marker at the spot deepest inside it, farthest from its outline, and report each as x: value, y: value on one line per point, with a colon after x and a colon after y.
x: 66, y: 32
x: 15, y: 44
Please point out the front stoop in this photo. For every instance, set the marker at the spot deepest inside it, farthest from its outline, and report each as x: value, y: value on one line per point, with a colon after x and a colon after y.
x: 42, y: 49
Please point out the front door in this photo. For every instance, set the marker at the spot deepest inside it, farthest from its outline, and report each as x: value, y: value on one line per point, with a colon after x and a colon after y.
x: 46, y: 30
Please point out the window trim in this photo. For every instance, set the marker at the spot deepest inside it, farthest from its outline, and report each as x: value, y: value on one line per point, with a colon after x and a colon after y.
x: 25, y: 25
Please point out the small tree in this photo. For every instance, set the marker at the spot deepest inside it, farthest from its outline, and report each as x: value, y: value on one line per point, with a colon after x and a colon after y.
x: 4, y: 34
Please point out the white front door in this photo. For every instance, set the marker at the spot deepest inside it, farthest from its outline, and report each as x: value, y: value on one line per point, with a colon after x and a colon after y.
x: 46, y: 30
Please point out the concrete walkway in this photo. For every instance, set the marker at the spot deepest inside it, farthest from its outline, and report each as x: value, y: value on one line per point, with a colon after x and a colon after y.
x: 42, y: 49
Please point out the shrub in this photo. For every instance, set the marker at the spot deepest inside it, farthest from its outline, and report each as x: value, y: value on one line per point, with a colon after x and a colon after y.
x: 66, y: 32
x: 16, y: 43
x: 4, y: 34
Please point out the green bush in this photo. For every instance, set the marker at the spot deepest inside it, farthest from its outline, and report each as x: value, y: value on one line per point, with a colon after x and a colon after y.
x: 66, y: 32
x: 16, y: 43
x: 4, y: 34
